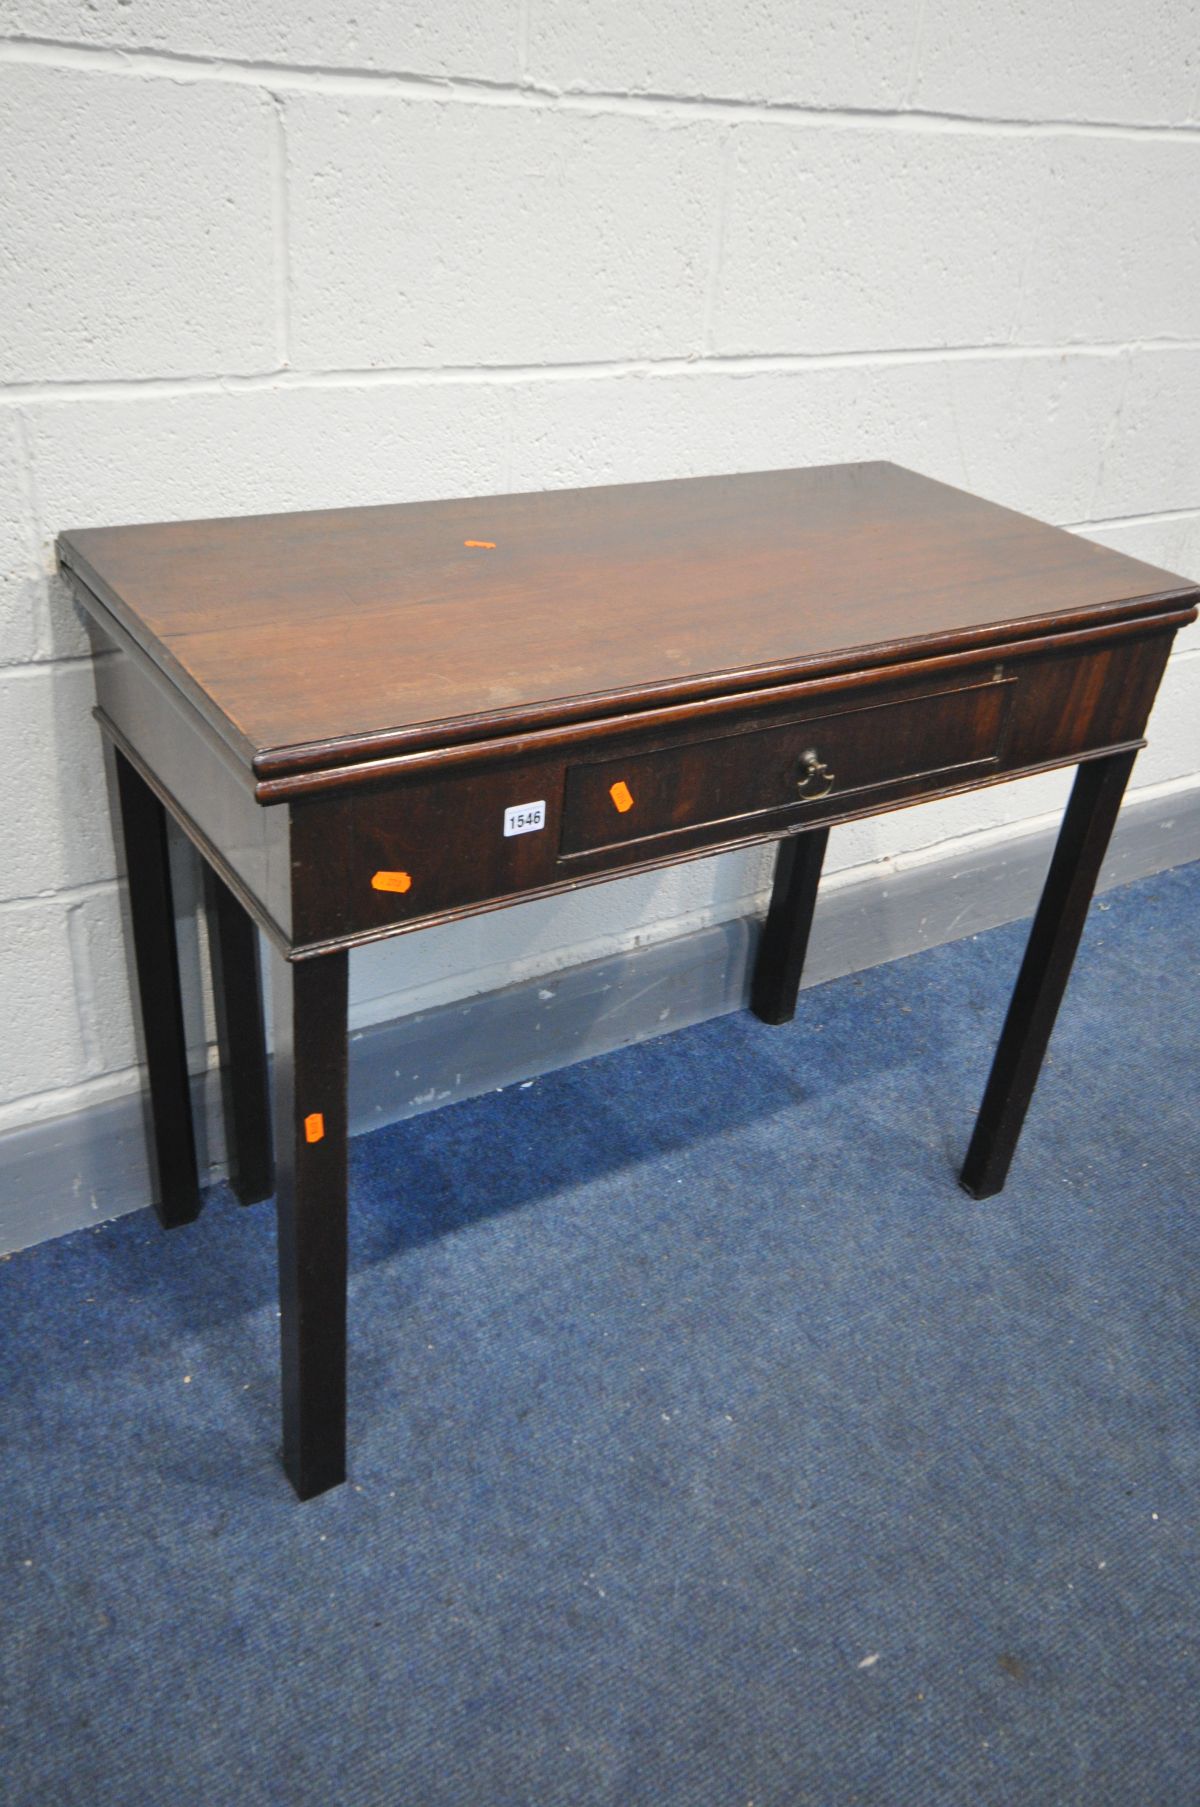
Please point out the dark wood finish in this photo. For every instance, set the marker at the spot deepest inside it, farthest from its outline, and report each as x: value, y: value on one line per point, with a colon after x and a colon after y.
x: 883, y: 744
x: 339, y: 708
x: 156, y: 958
x: 309, y: 1022
x: 242, y: 1041
x: 310, y: 638
x: 779, y: 963
x: 1090, y: 817
x: 211, y: 794
x: 1071, y: 706
x: 762, y: 771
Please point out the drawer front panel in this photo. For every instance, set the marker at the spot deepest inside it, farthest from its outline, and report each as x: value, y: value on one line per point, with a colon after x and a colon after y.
x: 764, y: 771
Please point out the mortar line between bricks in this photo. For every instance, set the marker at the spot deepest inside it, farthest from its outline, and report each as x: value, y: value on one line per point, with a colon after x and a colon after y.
x: 91, y: 1042
x: 64, y: 896
x: 35, y: 538
x: 523, y: 42
x: 281, y: 223
x: 914, y: 61
x: 184, y: 66
x: 1133, y: 520
x: 510, y: 438
x: 419, y: 375
x: 713, y: 281
x: 27, y: 483
x: 1112, y: 433
x: 35, y: 668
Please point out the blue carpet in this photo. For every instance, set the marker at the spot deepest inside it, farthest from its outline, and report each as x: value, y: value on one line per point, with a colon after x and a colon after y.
x: 708, y: 1444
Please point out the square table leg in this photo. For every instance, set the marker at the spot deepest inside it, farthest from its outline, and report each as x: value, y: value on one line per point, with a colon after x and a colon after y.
x: 780, y: 963
x: 241, y: 1040
x: 309, y: 1023
x: 1090, y: 817
x: 156, y: 958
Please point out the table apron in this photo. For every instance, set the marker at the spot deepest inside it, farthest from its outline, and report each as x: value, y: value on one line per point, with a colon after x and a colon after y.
x: 432, y: 844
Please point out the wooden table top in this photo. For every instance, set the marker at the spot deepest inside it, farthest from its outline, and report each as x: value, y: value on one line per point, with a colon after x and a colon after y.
x: 315, y: 638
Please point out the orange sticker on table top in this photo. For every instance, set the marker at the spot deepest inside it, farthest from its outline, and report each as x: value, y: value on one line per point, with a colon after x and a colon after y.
x: 391, y: 881
x: 314, y: 1126
x: 621, y: 795
x: 483, y: 545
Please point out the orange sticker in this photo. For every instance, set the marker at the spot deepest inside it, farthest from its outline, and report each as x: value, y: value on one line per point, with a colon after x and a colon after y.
x: 484, y: 545
x: 391, y: 881
x: 621, y: 795
x: 314, y: 1127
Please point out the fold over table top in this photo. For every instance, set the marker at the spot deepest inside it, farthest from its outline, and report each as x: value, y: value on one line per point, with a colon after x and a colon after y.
x: 318, y: 639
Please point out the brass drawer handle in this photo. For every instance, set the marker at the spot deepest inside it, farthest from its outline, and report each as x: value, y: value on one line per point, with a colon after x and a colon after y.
x: 815, y: 780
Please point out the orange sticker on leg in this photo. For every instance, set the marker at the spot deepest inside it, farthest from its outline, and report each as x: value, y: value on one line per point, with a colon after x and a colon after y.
x: 621, y: 795
x: 314, y: 1126
x: 391, y: 881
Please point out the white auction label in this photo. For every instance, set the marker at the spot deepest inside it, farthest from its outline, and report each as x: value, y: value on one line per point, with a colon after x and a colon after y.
x: 523, y: 818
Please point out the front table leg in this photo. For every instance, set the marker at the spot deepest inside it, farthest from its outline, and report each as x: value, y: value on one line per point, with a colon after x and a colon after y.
x: 1090, y: 816
x: 309, y: 1022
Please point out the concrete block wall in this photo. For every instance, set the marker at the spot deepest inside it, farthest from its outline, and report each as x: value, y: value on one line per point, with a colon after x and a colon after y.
x: 270, y: 257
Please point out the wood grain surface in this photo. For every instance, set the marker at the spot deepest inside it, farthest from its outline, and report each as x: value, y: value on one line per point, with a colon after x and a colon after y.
x: 315, y: 638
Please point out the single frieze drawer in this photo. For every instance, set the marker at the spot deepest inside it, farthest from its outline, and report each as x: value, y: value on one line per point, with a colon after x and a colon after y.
x: 764, y: 771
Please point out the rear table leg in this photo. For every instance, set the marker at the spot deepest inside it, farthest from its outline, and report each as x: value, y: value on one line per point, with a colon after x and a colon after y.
x: 241, y: 1038
x: 780, y: 963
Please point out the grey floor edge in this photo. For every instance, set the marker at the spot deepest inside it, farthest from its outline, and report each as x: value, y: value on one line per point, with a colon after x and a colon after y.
x: 69, y: 1172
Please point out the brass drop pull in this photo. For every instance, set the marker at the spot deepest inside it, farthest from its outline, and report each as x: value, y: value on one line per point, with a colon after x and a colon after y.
x: 815, y: 780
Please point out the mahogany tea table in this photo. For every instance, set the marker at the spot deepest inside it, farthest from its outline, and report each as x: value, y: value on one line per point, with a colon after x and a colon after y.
x: 368, y: 720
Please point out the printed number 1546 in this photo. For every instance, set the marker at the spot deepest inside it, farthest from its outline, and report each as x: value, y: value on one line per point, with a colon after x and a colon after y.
x: 523, y: 818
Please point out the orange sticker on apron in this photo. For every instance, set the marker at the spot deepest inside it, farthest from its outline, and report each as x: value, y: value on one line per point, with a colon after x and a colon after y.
x: 391, y: 881
x: 621, y: 795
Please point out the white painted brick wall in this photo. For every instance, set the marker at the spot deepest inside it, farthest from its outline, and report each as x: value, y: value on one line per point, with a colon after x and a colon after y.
x: 280, y: 256
x: 443, y: 235
x: 1030, y: 240
x: 138, y: 231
